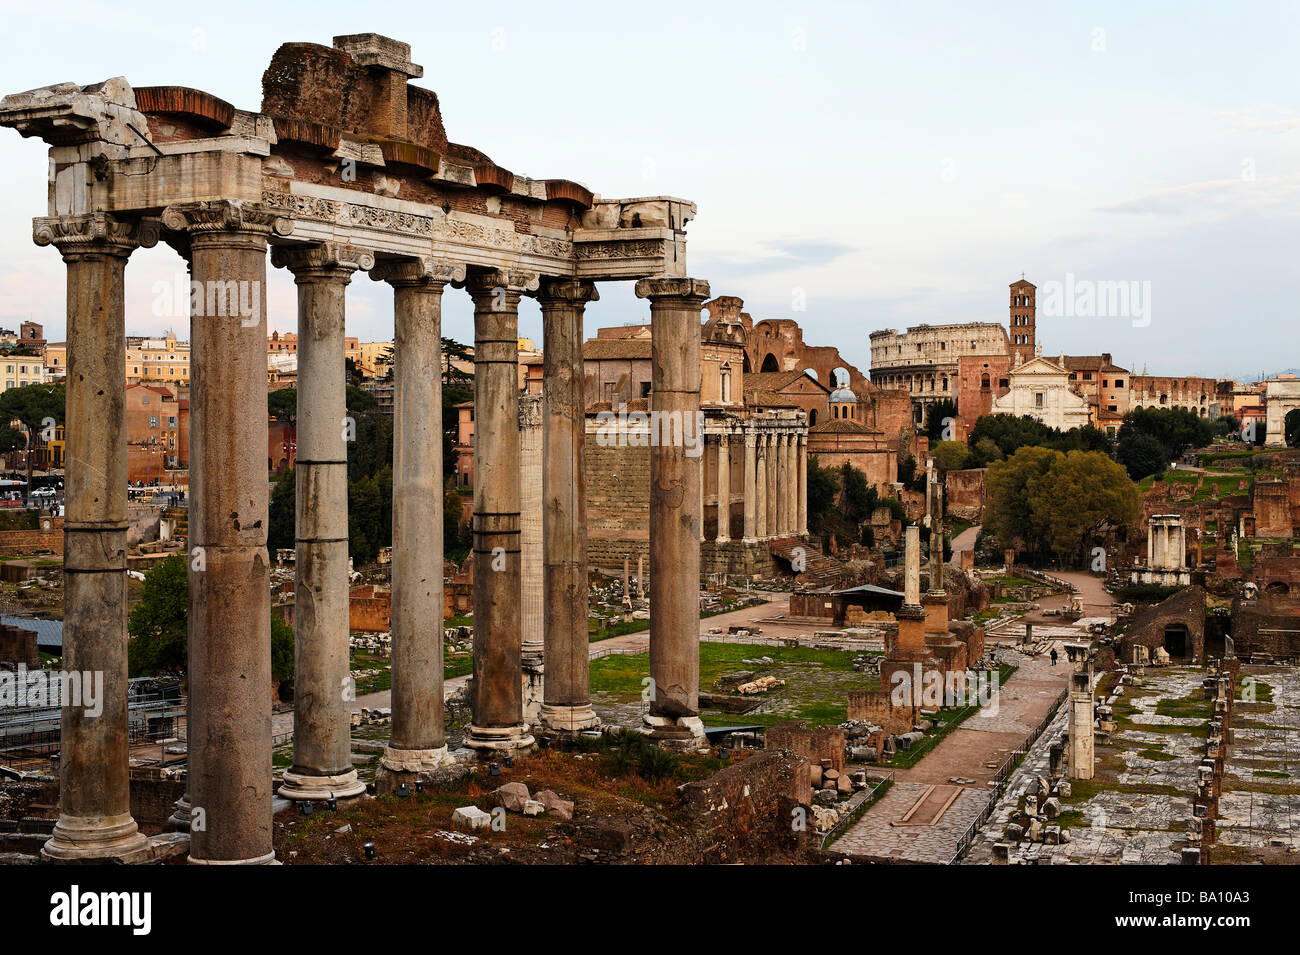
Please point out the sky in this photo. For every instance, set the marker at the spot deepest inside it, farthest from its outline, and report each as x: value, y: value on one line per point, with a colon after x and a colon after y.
x: 856, y: 166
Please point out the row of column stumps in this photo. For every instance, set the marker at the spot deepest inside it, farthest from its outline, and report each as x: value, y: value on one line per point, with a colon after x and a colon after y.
x: 228, y: 803
x: 787, y: 452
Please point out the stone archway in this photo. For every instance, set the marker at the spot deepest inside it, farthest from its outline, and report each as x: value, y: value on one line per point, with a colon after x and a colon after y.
x: 770, y: 363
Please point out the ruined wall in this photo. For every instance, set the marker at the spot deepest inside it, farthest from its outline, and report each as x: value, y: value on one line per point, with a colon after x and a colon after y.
x: 813, y: 744
x: 1267, y: 624
x: 749, y: 803
x: 48, y: 538
x: 1272, y: 509
x: 1148, y: 626
x: 19, y: 646
x: 618, y: 502
x: 877, y: 707
x: 965, y: 493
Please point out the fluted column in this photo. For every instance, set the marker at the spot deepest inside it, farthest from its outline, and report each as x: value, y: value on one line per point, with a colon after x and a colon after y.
x: 417, y: 741
x: 230, y: 603
x: 724, y: 489
x: 95, y: 819
x: 751, y: 488
x: 675, y: 517
x: 703, y: 463
x: 760, y: 485
x: 498, y: 720
x: 322, y: 734
x: 802, y: 453
x: 773, y: 489
x: 566, y: 693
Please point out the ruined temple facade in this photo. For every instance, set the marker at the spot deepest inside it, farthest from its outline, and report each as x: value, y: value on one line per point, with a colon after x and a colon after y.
x: 345, y: 169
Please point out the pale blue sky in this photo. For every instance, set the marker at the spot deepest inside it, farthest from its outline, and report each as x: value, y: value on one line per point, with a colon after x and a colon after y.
x: 898, y: 163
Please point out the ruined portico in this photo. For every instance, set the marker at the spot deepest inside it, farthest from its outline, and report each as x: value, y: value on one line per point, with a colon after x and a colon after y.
x: 346, y: 167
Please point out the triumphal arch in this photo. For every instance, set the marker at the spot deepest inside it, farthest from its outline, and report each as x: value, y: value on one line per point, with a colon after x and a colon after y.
x: 346, y: 168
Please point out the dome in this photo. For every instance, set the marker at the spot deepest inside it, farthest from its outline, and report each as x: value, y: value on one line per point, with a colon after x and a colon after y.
x: 843, y: 394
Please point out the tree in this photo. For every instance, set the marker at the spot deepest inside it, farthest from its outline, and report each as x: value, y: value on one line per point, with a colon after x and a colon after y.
x: 1177, y: 429
x: 857, y: 498
x: 157, y: 623
x: 40, y: 408
x: 939, y: 418
x: 280, y: 531
x: 950, y: 455
x: 823, y: 488
x: 907, y: 471
x: 983, y: 453
x: 1007, y: 514
x: 282, y: 404
x: 282, y: 651
x: 453, y: 350
x: 1142, y: 455
x: 1080, y: 493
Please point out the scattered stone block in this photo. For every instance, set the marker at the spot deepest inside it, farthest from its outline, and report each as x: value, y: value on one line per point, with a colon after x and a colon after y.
x: 533, y: 808
x: 470, y: 817
x: 513, y: 796
x: 561, y: 809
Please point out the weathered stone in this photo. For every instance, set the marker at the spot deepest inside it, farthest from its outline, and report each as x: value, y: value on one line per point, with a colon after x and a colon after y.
x: 470, y: 817
x: 555, y: 806
x: 513, y: 796
x: 533, y: 808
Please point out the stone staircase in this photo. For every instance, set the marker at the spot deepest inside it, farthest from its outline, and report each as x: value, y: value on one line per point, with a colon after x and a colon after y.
x: 819, y: 570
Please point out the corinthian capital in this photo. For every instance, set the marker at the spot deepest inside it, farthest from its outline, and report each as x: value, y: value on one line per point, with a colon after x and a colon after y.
x: 322, y: 257
x: 424, y: 270
x: 97, y: 233
x: 567, y: 292
x: 224, y: 216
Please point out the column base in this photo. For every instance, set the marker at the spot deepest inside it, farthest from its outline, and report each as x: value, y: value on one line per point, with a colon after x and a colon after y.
x: 684, y: 733
x: 415, y: 760
x: 506, y: 740
x: 96, y: 839
x: 179, y: 820
x: 749, y: 540
x: 722, y: 540
x: 301, y: 786
x: 268, y: 859
x: 399, y: 766
x: 560, y: 719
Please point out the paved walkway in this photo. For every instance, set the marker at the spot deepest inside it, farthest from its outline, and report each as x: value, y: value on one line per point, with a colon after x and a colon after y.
x: 963, y: 541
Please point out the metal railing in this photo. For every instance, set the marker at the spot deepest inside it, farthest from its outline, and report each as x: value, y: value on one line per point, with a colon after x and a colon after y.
x: 999, y: 780
x: 863, y: 798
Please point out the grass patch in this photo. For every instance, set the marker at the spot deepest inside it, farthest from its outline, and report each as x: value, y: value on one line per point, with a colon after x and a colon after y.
x: 1185, y: 707
x: 1156, y: 754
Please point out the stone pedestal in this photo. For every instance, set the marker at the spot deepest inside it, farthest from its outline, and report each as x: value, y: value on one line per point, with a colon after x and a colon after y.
x: 95, y: 820
x: 674, y: 511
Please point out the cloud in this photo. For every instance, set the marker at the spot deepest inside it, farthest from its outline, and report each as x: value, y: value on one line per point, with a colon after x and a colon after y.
x: 1214, y: 197
x: 776, y: 257
x: 1253, y: 124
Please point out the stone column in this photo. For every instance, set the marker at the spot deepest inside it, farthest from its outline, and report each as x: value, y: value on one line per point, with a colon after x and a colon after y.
x: 498, y: 722
x: 751, y: 488
x: 417, y: 743
x: 230, y: 601
x: 724, y: 489
x: 760, y: 486
x: 531, y: 603
x: 322, y: 693
x: 703, y: 464
x: 782, y: 487
x: 801, y: 452
x: 773, y: 489
x: 95, y: 820
x: 566, y: 699
x: 674, y: 510
x: 792, y: 484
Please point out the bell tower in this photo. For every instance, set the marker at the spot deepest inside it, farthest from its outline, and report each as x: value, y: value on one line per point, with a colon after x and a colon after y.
x: 1023, y: 311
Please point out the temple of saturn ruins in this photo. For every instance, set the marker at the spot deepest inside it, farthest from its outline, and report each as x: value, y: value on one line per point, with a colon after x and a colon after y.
x: 346, y: 168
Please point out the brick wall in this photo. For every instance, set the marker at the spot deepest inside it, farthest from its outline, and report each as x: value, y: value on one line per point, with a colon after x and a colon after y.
x: 813, y: 744
x: 749, y: 803
x: 618, y: 502
x: 48, y: 538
